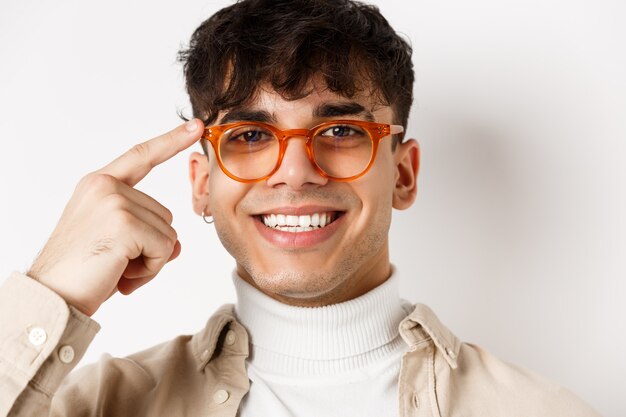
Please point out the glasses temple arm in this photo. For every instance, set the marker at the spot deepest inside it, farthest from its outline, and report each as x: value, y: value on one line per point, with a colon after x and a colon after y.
x: 395, y: 129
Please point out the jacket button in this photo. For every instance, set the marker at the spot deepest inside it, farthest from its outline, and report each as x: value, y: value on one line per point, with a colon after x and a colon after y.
x: 66, y: 354
x: 37, y: 336
x: 220, y: 396
x: 230, y: 337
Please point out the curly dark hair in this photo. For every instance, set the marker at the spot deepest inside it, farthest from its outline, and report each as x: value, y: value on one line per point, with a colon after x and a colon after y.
x: 285, y: 43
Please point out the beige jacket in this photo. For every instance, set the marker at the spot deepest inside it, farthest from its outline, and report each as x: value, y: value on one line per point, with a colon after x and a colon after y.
x: 41, y: 339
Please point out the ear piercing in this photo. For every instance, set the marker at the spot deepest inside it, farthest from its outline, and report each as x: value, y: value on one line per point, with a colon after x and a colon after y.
x: 204, y: 217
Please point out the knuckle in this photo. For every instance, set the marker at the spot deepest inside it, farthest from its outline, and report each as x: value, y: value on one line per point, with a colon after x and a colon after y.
x: 170, y: 136
x: 123, y: 221
x: 169, y: 217
x: 97, y: 181
x: 141, y: 151
x: 173, y: 235
x: 169, y: 238
x: 116, y: 202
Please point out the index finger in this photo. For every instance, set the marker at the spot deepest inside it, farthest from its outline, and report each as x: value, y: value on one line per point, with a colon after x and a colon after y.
x: 133, y: 165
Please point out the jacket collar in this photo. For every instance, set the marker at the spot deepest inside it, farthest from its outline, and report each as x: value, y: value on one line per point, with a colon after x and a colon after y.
x: 210, y: 342
x: 420, y: 326
x: 423, y: 325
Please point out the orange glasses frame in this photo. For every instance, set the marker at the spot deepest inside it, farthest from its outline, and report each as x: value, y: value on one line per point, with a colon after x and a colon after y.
x: 376, y: 131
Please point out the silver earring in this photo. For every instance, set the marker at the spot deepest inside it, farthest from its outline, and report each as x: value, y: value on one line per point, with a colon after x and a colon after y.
x: 204, y: 217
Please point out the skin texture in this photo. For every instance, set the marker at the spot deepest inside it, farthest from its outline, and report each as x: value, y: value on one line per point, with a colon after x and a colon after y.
x: 355, y: 258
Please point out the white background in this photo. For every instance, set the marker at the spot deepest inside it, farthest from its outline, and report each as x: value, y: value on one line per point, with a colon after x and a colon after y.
x: 517, y: 238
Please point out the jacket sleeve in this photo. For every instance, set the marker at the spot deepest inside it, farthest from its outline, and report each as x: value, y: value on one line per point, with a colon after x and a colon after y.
x: 42, y: 339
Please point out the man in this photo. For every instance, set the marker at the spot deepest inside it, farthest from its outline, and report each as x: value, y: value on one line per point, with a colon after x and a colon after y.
x: 305, y: 104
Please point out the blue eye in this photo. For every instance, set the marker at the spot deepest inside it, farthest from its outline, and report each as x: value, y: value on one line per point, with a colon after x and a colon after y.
x: 246, y: 139
x: 249, y: 136
x: 342, y: 136
x: 339, y: 131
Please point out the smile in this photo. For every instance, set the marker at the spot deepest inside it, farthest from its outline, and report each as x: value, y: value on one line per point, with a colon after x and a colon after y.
x: 298, y: 224
x: 301, y: 228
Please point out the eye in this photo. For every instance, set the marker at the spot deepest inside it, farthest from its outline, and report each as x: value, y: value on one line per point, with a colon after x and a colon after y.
x: 340, y: 131
x: 249, y: 135
x: 341, y: 136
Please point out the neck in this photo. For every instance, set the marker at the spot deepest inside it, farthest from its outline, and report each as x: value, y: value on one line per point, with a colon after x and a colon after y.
x: 334, y: 337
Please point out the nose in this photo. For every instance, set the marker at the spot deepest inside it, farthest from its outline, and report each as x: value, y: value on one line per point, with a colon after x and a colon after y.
x: 296, y: 169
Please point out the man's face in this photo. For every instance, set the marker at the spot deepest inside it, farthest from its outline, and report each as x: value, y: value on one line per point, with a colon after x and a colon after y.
x: 344, y: 259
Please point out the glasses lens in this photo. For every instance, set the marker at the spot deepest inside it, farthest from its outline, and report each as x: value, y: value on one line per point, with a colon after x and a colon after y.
x: 249, y: 151
x: 342, y: 150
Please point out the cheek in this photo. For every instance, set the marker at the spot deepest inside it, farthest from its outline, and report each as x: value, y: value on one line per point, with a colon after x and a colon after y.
x: 224, y: 195
x: 375, y: 191
x: 378, y: 184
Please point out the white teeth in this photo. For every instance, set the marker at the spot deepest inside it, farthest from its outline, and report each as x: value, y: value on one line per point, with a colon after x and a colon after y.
x: 296, y: 224
x: 305, y: 221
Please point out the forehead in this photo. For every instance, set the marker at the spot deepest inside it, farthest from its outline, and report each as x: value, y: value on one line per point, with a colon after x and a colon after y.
x: 268, y: 105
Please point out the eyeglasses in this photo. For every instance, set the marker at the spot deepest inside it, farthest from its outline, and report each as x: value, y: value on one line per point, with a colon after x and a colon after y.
x: 341, y: 150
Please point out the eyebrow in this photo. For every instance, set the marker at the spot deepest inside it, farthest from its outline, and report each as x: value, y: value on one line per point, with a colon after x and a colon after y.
x: 324, y: 110
x: 245, y: 115
x: 352, y: 108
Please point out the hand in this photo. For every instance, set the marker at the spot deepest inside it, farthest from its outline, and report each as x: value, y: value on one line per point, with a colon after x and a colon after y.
x: 111, y: 236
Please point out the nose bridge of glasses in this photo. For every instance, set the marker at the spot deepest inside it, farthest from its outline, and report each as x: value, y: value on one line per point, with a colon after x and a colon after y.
x: 303, y: 134
x: 294, y: 133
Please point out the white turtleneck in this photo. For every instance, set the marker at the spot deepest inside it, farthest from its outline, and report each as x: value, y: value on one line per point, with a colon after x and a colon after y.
x: 337, y: 360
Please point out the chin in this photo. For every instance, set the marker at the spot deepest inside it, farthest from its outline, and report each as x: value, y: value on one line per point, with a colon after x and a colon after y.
x: 298, y: 285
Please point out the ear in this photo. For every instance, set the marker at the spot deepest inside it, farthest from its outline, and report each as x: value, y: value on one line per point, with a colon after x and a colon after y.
x: 407, y: 160
x: 199, y: 177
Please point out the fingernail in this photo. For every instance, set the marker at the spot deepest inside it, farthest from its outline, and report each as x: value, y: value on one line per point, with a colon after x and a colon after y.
x: 191, y: 125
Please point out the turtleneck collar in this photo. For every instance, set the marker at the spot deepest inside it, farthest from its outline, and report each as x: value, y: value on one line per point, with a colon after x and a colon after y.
x: 364, y: 327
